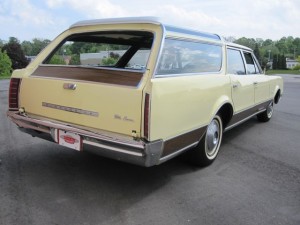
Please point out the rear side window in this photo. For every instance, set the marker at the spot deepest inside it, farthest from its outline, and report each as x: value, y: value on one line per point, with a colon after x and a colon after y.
x: 235, y: 62
x: 180, y: 57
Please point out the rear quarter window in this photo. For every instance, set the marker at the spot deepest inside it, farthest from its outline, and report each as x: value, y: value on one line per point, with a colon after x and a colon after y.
x: 184, y: 57
x: 252, y: 66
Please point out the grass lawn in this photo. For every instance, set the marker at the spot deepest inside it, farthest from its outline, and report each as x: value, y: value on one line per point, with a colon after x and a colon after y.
x: 271, y: 72
x: 4, y: 77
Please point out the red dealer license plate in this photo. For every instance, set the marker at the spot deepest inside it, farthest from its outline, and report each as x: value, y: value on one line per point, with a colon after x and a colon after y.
x: 69, y: 139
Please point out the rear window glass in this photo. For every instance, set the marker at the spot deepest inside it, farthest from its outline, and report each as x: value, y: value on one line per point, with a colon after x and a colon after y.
x: 179, y: 57
x: 126, y: 50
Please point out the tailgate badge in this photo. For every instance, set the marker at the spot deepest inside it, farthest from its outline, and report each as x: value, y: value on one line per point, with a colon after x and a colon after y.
x: 69, y: 86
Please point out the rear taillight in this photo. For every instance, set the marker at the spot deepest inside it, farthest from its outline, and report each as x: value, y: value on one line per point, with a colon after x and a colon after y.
x: 13, y: 98
x: 146, y: 116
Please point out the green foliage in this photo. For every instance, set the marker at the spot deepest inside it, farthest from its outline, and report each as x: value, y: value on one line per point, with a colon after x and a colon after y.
x: 279, y: 62
x: 34, y: 47
x: 75, y: 60
x: 13, y: 40
x: 1, y: 43
x: 27, y: 47
x: 15, y: 53
x: 248, y: 42
x: 297, y: 67
x: 272, y: 72
x: 109, y: 61
x: 5, y: 64
x: 57, y: 60
x: 275, y: 65
x: 287, y: 46
x: 257, y: 53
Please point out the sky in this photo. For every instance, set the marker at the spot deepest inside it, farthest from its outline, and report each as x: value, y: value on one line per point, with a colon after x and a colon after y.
x: 267, y: 19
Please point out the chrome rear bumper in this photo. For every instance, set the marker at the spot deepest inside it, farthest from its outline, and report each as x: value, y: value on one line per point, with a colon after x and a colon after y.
x: 106, y: 144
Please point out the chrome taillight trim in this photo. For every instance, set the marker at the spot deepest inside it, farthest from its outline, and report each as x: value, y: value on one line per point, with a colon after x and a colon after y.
x: 147, y: 116
x: 13, y: 96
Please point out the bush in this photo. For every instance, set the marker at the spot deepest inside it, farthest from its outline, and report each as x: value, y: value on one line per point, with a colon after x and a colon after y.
x: 109, y: 61
x: 5, y: 64
x: 75, y: 60
x: 57, y: 60
x: 297, y: 67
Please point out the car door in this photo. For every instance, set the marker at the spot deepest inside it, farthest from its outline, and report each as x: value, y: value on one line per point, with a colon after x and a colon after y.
x: 241, y: 82
x: 260, y: 81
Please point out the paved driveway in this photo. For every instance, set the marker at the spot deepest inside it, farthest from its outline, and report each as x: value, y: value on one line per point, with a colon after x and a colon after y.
x: 255, y: 179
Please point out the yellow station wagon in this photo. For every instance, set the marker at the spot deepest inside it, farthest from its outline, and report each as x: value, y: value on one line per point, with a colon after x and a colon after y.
x: 139, y: 91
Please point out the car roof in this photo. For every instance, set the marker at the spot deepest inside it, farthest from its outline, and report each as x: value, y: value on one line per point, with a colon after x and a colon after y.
x: 149, y: 20
x: 234, y: 45
x: 122, y: 20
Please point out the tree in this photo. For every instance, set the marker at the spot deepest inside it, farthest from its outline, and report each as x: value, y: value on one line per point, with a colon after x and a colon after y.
x: 1, y: 43
x: 282, y: 46
x: 27, y: 47
x: 267, y: 42
x: 13, y: 40
x: 38, y: 45
x: 5, y: 64
x: 275, y: 62
x: 279, y: 62
x: 249, y: 42
x: 283, y: 62
x: 15, y: 53
x: 257, y: 53
x: 259, y: 41
x: 35, y: 46
x: 296, y: 50
x: 230, y: 39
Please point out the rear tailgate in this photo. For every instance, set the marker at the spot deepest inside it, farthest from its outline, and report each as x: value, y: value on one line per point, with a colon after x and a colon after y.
x: 104, y: 99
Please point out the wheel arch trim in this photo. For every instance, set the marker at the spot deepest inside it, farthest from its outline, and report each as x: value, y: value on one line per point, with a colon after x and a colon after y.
x: 220, y: 107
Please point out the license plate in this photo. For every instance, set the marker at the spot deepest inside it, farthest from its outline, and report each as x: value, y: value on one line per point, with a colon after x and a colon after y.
x: 69, y: 139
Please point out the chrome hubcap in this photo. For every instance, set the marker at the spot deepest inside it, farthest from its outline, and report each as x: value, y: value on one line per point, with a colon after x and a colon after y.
x: 212, y: 138
x: 270, y: 110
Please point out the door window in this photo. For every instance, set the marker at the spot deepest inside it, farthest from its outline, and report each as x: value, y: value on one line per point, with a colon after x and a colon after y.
x: 235, y: 64
x: 252, y: 67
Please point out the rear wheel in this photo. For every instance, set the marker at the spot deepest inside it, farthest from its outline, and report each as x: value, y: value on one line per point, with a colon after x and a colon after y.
x: 207, y: 149
x: 267, y: 114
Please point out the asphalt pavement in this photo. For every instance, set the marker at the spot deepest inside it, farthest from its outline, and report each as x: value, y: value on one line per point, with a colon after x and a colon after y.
x: 254, y: 180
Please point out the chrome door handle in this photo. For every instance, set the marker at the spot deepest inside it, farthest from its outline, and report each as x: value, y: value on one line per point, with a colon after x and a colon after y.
x: 69, y: 86
x: 235, y: 85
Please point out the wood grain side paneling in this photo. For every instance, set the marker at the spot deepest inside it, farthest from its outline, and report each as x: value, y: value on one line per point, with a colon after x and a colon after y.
x: 182, y: 141
x: 100, y: 75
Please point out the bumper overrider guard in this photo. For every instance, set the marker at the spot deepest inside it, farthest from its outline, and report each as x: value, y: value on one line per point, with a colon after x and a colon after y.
x: 132, y: 151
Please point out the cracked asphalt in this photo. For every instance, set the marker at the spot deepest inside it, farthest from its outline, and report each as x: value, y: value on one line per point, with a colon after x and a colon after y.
x: 254, y: 180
